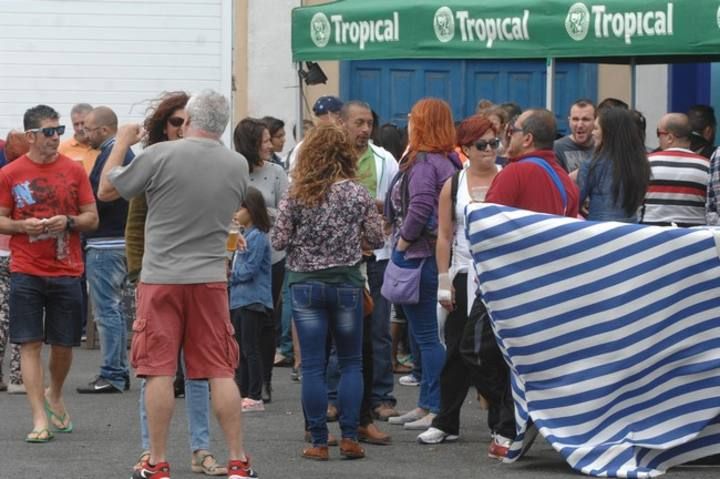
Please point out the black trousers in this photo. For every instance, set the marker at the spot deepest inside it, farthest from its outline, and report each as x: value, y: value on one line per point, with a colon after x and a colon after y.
x: 271, y: 327
x: 486, y: 370
x: 248, y: 326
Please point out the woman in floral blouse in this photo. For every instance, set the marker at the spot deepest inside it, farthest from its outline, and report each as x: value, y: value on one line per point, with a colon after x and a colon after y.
x: 324, y: 223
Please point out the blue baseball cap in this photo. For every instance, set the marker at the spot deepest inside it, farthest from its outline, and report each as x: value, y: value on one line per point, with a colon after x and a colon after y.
x: 327, y: 104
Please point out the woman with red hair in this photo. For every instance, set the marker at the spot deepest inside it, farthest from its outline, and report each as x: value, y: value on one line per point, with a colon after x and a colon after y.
x: 477, y: 137
x: 412, y: 208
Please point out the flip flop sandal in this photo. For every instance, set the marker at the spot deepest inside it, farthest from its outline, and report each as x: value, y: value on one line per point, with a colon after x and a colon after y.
x: 52, y: 416
x: 39, y: 439
x: 199, y: 465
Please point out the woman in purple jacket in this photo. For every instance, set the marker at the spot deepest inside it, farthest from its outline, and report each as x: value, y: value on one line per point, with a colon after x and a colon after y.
x: 412, y: 208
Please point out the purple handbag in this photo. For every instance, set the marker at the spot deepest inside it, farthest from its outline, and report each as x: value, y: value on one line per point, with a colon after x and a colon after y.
x: 402, y: 285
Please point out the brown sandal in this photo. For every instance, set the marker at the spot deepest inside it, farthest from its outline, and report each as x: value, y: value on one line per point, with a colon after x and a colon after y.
x: 201, y: 464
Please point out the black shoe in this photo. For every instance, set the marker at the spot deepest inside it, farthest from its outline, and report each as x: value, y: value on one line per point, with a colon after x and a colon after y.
x: 267, y: 393
x: 126, y: 387
x: 99, y: 386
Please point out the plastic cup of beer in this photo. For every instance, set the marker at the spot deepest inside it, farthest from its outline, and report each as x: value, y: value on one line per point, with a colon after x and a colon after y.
x: 477, y: 193
x: 232, y: 238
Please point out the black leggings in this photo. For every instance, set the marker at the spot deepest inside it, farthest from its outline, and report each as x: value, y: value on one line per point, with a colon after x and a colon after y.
x: 248, y: 326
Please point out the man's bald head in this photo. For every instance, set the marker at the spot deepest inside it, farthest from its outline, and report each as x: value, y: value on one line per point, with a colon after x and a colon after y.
x: 100, y: 124
x: 104, y: 116
x: 674, y: 131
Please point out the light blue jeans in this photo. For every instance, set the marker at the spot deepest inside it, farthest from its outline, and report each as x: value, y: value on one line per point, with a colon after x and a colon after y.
x: 197, y: 408
x: 320, y: 309
x: 106, y: 272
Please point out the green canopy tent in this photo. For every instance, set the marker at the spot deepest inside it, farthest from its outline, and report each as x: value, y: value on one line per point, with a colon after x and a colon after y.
x: 609, y: 31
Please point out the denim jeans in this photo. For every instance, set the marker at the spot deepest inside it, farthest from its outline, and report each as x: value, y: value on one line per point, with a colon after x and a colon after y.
x: 383, y: 379
x: 106, y: 272
x: 285, y: 337
x: 422, y: 322
x: 197, y: 408
x: 319, y: 309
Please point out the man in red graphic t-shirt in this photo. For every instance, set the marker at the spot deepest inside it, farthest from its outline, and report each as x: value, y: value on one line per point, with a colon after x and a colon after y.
x: 45, y: 202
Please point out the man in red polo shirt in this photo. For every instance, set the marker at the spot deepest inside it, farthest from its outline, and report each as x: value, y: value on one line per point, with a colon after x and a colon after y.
x: 532, y: 180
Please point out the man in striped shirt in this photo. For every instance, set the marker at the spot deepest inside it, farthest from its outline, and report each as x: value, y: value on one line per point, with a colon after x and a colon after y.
x: 677, y: 190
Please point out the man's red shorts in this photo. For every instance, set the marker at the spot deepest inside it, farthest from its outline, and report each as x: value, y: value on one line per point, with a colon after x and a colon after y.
x: 194, y: 317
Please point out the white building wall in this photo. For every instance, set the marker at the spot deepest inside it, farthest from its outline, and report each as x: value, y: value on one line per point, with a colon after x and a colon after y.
x: 109, y: 52
x: 652, y: 97
x: 272, y: 79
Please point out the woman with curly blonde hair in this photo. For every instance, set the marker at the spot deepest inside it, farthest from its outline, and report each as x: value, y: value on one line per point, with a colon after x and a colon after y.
x: 324, y: 223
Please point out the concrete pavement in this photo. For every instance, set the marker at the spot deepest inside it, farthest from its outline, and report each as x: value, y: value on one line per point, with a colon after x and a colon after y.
x: 106, y: 442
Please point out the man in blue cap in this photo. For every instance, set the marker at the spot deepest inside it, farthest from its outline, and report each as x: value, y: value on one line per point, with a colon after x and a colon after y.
x: 327, y: 111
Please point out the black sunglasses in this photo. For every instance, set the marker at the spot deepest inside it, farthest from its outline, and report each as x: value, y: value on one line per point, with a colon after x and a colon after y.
x: 482, y: 144
x: 49, y: 131
x: 176, y: 121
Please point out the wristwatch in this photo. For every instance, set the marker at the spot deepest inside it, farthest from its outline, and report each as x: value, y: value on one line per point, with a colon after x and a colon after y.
x: 70, y: 223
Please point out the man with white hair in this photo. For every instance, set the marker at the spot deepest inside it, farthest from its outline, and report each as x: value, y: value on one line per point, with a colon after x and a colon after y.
x: 193, y: 186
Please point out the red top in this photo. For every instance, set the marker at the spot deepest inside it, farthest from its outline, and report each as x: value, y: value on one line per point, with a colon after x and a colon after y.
x: 528, y: 186
x: 43, y: 191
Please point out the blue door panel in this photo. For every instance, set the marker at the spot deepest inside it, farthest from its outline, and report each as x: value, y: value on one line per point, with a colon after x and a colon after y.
x: 393, y: 86
x: 401, y: 95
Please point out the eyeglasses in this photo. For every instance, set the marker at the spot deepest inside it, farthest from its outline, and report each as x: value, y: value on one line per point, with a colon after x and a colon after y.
x: 512, y: 129
x: 176, y: 121
x: 49, y: 131
x: 660, y: 132
x: 482, y: 144
x: 88, y: 130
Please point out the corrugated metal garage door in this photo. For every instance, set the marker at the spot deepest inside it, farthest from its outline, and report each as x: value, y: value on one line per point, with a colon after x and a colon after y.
x: 116, y: 53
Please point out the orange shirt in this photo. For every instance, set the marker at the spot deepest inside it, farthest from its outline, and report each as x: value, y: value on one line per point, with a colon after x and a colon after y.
x: 79, y: 152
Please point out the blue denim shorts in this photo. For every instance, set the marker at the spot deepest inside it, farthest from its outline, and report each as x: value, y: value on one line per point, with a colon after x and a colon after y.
x: 44, y: 308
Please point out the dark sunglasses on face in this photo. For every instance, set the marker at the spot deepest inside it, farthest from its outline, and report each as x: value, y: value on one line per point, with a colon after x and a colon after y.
x: 176, y: 121
x: 49, y: 131
x: 482, y: 144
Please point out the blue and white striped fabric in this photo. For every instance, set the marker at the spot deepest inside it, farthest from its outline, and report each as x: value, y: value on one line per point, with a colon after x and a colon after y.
x: 612, y: 333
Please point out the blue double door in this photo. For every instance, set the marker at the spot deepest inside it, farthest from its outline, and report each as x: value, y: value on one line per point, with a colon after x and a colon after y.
x: 391, y: 87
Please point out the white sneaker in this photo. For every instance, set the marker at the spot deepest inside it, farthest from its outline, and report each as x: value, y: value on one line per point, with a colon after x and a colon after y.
x: 421, y: 424
x: 411, y: 416
x: 408, y: 380
x: 16, y: 388
x: 435, y: 436
x: 251, y: 405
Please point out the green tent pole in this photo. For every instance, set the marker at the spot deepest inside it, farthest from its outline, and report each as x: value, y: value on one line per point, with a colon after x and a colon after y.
x: 550, y: 83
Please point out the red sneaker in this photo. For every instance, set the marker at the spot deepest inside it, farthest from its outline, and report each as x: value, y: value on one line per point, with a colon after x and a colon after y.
x: 499, y: 447
x: 240, y: 469
x: 161, y: 470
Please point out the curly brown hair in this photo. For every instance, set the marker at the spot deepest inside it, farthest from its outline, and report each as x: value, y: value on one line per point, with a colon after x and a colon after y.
x: 326, y: 156
x: 158, y: 114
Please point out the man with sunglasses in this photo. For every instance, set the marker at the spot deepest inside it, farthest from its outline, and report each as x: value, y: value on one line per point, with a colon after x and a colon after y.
x: 77, y: 146
x: 105, y: 266
x: 677, y: 190
x: 45, y: 202
x: 532, y: 180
